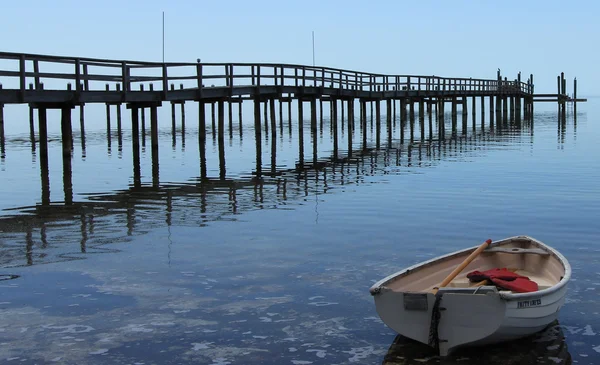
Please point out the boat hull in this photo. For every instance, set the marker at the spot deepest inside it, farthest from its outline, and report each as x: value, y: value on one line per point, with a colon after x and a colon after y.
x: 467, y: 316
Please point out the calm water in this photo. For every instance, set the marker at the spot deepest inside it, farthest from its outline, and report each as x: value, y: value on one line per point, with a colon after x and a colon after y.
x: 277, y: 271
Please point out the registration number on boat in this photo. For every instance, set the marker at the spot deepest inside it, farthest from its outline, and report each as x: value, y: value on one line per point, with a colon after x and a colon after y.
x: 529, y: 303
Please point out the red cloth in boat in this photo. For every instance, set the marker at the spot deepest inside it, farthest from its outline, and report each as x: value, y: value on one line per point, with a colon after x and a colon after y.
x: 505, y: 279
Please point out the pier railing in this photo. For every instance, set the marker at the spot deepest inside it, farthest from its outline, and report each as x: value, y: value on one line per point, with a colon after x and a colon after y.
x: 25, y: 72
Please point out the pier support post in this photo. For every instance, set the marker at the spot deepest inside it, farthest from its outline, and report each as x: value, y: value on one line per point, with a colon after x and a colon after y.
x: 313, y: 128
x: 182, y: 118
x: 173, y: 124
x: 266, y: 117
x: 377, y: 124
x: 108, y: 129
x: 474, y: 111
x: 402, y: 112
x: 273, y: 119
x: 202, y: 138
x: 441, y: 121
x: 290, y: 116
x: 258, y: 137
x: 154, y: 143
x: 119, y: 128
x: 482, y: 113
x: 230, y: 115
x: 454, y: 117
x: 492, y: 112
x: 300, y: 132
x: 350, y: 125
x: 240, y: 116
x: 2, y: 146
x: 430, y: 117
x: 334, y: 127
x: 221, y: 139
x: 135, y: 137
x: 412, y: 119
x: 388, y: 113
x: 213, y: 114
x: 464, y: 114
x: 143, y: 110
x: 363, y: 119
x: 67, y: 138
x: 32, y: 129
x: 422, y: 118
x: 44, y: 170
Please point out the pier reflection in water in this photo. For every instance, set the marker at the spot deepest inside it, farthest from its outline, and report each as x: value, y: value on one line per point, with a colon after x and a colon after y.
x: 264, y: 262
x: 202, y: 200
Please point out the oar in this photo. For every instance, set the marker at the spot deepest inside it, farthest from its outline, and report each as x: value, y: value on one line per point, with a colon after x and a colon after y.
x: 462, y: 266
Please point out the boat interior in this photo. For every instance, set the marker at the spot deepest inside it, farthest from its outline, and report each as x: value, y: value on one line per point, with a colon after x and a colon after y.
x: 523, y: 256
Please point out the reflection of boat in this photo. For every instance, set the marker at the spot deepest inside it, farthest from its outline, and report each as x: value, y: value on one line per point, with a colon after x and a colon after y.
x: 462, y: 314
x: 545, y: 347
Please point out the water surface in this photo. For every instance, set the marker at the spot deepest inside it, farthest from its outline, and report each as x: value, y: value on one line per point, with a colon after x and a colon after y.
x: 276, y: 270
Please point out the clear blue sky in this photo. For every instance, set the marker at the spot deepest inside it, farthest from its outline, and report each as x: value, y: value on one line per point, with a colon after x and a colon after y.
x: 445, y: 38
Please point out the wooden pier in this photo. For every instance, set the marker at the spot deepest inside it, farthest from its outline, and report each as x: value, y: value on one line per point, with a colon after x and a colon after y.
x: 51, y: 82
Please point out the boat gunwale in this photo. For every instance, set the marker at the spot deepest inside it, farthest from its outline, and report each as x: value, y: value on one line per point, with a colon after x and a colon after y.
x: 375, y: 288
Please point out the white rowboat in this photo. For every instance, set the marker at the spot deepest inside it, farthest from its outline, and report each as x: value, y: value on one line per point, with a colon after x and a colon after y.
x: 466, y: 315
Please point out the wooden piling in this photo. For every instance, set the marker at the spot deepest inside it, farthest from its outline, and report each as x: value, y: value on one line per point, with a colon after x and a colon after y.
x: 464, y: 114
x: 143, y: 126
x: 230, y: 115
x: 273, y: 119
x: 290, y: 116
x: 32, y: 129
x: 313, y: 127
x: 575, y: 97
x: 492, y: 111
x: 474, y: 111
x: 67, y: 138
x: 402, y: 113
x: 202, y: 138
x: 154, y: 144
x: 119, y: 124
x: 221, y: 139
x: 321, y: 114
x: 213, y: 112
x: 258, y: 138
x: 183, y: 117
x: 350, y: 126
x: 43, y: 144
x: 266, y: 117
x: 482, y: 112
x: 393, y: 113
x: 280, y: 116
x: 173, y: 122
x: 454, y: 117
x: 422, y: 118
x: 300, y: 132
x: 388, y: 114
x: 430, y: 117
x: 363, y: 119
x: 273, y: 139
x: 135, y: 137
x: 334, y: 127
x: 240, y: 115
x: 377, y: 124
x: 2, y: 145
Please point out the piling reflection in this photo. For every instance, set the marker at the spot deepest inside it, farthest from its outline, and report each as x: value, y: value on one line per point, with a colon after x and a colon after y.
x: 141, y: 206
x: 546, y: 347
